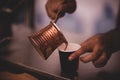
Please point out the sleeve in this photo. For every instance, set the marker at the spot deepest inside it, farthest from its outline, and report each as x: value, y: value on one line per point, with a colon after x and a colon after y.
x: 118, y: 18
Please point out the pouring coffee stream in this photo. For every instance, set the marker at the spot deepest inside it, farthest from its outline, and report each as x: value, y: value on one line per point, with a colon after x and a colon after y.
x: 48, y: 39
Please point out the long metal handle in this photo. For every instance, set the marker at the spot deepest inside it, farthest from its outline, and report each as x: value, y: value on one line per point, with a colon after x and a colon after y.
x: 57, y: 16
x: 59, y: 13
x: 56, y: 19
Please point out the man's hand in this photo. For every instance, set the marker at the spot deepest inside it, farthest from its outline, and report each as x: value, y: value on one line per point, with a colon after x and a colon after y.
x: 100, y: 47
x: 53, y: 6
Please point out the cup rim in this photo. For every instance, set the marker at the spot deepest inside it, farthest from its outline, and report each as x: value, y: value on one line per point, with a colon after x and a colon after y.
x: 62, y: 47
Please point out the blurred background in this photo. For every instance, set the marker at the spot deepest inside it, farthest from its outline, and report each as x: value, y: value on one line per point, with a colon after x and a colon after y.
x: 91, y: 17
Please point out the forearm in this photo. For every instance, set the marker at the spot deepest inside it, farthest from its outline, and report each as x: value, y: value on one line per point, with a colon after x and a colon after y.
x: 118, y: 19
x: 113, y: 37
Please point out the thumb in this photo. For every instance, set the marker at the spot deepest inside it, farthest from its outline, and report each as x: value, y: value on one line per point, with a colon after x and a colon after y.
x: 76, y: 54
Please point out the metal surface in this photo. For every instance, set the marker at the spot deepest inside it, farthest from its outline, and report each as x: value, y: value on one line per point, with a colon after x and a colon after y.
x: 47, y: 40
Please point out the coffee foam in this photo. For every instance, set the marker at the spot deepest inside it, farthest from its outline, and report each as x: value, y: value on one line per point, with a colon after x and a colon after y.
x: 70, y: 48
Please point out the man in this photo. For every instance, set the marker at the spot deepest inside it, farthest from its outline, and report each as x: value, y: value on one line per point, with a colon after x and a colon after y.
x: 100, y: 46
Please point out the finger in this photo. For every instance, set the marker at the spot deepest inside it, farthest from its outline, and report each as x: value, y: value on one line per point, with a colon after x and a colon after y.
x: 76, y: 54
x: 69, y: 7
x: 51, y: 14
x: 52, y: 10
x: 101, y: 61
x: 91, y: 56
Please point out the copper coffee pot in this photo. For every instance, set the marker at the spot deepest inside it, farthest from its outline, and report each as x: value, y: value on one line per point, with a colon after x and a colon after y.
x: 48, y: 39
